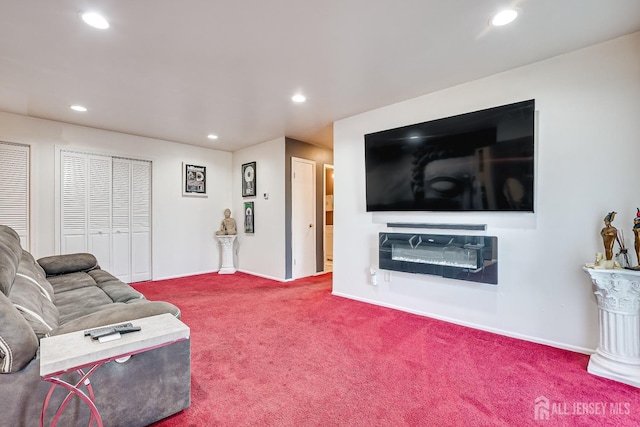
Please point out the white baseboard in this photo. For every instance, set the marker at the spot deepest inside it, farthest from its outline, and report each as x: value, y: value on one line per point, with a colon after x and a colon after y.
x: 178, y: 276
x: 264, y: 276
x: 511, y: 334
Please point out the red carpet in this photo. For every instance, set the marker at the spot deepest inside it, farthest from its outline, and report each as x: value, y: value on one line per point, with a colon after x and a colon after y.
x: 266, y: 353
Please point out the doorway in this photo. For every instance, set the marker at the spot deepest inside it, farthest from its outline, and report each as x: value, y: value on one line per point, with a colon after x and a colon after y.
x: 328, y: 218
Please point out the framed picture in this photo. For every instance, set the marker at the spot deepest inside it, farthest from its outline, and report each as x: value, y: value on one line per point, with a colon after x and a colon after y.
x: 194, y: 180
x: 249, y: 179
x: 249, y: 217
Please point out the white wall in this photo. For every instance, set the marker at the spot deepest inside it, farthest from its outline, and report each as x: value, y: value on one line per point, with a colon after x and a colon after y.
x: 263, y: 252
x: 588, y: 151
x: 183, y: 227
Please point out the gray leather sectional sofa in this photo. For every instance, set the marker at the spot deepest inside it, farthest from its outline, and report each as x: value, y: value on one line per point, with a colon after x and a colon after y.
x: 67, y: 293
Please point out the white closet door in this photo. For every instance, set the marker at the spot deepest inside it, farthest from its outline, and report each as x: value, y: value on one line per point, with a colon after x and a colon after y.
x: 121, y: 220
x: 99, y: 191
x: 106, y: 210
x: 140, y: 221
x: 73, y: 202
x: 14, y: 189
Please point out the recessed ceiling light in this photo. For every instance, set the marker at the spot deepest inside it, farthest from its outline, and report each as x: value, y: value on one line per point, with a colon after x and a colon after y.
x: 79, y: 108
x: 95, y: 20
x: 504, y: 17
x: 298, y: 97
x: 212, y: 136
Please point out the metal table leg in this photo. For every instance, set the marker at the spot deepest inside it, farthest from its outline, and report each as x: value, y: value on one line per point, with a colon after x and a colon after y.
x: 73, y: 390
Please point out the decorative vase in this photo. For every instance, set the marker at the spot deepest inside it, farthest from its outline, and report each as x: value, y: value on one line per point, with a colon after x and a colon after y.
x: 623, y: 258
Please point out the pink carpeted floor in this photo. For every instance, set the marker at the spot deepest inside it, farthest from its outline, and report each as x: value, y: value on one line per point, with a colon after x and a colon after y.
x: 266, y: 353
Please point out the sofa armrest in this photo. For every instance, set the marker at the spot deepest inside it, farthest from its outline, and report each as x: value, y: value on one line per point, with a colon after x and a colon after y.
x: 71, y: 263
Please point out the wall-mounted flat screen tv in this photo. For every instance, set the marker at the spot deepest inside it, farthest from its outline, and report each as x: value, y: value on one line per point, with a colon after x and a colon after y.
x: 479, y: 161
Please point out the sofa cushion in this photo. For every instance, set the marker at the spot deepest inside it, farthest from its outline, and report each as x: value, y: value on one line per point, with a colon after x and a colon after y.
x: 10, y: 253
x: 75, y: 312
x: 18, y: 342
x: 71, y: 281
x: 78, y: 294
x: 70, y: 263
x: 32, y: 295
x: 80, y: 300
x: 117, y: 313
x: 30, y: 268
x: 118, y: 291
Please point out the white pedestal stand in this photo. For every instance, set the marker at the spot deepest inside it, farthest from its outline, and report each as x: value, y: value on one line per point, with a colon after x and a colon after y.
x: 618, y: 354
x: 226, y: 243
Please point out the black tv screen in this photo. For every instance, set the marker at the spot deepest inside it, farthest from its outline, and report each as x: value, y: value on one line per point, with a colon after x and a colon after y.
x: 479, y: 161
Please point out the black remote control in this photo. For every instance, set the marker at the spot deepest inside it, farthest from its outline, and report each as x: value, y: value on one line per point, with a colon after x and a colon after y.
x: 122, y: 329
x: 105, y: 329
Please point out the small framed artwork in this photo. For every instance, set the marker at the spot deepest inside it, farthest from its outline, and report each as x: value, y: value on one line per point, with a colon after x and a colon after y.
x: 194, y: 180
x: 249, y: 217
x: 249, y: 179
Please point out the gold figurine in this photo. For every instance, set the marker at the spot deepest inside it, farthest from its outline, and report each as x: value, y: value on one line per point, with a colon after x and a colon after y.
x: 609, y: 234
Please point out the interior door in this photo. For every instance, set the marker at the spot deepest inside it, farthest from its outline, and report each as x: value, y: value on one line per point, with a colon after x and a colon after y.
x: 303, y: 217
x: 140, y: 220
x: 99, y: 209
x: 14, y: 189
x: 121, y: 220
x: 73, y: 202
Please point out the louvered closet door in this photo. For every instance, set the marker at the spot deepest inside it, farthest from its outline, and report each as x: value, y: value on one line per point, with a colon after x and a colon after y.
x: 140, y: 221
x: 121, y: 220
x: 73, y: 202
x: 106, y: 210
x: 99, y: 210
x: 14, y: 189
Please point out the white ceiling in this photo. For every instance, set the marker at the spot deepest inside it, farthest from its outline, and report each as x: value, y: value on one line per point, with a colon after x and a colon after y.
x: 179, y: 70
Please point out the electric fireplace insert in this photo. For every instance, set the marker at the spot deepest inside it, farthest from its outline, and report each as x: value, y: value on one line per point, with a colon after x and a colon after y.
x: 473, y: 258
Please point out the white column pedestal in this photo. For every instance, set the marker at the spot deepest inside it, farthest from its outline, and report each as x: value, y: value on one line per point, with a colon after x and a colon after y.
x: 226, y: 244
x: 618, y: 354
